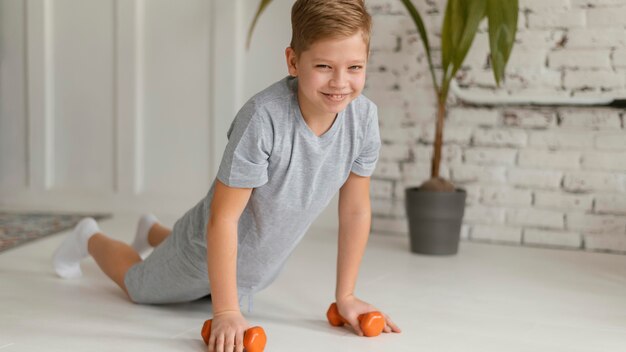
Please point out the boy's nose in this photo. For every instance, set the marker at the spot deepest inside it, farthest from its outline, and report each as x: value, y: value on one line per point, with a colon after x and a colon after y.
x: 338, y: 80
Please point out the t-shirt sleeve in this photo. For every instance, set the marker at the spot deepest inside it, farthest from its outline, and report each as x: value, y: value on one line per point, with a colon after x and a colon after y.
x: 246, y: 157
x: 365, y: 163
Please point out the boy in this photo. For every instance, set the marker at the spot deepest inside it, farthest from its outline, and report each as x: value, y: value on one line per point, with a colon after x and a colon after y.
x: 291, y: 148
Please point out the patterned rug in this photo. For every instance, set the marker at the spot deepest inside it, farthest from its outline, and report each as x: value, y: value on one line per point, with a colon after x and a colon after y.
x: 20, y: 228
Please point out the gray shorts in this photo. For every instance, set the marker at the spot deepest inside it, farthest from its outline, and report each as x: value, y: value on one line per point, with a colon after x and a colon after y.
x: 174, y: 272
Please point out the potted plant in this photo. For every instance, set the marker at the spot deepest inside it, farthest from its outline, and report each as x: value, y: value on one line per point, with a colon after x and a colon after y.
x: 435, y: 208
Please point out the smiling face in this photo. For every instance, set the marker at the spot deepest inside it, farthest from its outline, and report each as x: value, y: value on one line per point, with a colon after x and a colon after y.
x: 331, y: 73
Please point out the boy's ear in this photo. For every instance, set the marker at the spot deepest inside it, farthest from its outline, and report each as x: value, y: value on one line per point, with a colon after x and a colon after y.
x: 290, y: 56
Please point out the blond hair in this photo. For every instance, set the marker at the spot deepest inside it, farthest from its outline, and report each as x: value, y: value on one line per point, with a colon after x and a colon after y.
x: 314, y: 20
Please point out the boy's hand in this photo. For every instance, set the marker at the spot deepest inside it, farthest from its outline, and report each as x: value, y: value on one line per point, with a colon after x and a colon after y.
x: 227, y: 331
x: 351, y: 307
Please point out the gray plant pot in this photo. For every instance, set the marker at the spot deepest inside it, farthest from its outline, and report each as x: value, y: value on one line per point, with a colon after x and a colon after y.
x: 435, y: 220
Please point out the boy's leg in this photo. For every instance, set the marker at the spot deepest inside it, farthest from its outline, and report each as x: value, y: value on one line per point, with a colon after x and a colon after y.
x: 150, y: 233
x: 174, y: 272
x: 113, y: 257
x: 165, y: 276
x: 157, y: 234
x: 66, y: 258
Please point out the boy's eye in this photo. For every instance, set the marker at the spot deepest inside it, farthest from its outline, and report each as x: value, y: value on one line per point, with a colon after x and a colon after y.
x: 323, y: 66
x: 356, y: 67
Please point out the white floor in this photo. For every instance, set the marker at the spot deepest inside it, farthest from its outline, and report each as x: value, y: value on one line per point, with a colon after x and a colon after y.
x: 487, y: 298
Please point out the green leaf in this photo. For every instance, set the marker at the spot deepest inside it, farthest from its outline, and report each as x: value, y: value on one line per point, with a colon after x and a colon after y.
x: 447, y: 43
x: 459, y: 29
x: 262, y: 5
x: 421, y: 29
x: 502, y: 16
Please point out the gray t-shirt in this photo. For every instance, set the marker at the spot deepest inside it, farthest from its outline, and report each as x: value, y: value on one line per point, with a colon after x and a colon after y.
x: 294, y: 173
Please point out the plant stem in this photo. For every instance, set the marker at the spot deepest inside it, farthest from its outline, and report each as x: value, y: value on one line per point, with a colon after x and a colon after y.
x: 441, y: 114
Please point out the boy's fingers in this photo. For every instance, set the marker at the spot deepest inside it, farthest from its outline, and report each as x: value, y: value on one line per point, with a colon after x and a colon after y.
x: 391, y: 325
x: 357, y: 328
x: 229, y: 342
x: 211, y: 344
x: 239, y: 342
x: 219, y: 344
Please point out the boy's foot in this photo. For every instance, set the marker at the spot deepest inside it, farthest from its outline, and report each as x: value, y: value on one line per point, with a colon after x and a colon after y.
x: 66, y: 258
x: 140, y: 243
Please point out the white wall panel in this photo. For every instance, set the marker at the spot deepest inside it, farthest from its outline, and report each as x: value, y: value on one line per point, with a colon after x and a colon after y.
x: 227, y: 70
x: 109, y: 104
x: 128, y: 96
x: 40, y: 102
x: 13, y: 141
x: 264, y: 61
x: 176, y: 94
x: 82, y: 94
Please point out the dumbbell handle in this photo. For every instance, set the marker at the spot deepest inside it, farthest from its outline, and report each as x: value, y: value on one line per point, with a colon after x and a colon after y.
x: 254, y: 339
x: 372, y: 323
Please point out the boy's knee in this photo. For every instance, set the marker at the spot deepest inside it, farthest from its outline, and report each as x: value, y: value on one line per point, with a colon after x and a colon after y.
x: 138, y: 298
x: 131, y: 298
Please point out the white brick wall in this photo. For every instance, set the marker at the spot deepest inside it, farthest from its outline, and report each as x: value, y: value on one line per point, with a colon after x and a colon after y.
x: 536, y: 179
x: 563, y: 200
x: 495, y: 233
x: 394, y: 152
x: 539, y: 176
x: 596, y: 3
x: 466, y: 173
x: 541, y: 39
x: 619, y: 58
x: 595, y: 224
x: 588, y: 79
x: 594, y: 38
x: 579, y: 58
x: 500, y: 137
x: 589, y: 181
x: 535, y: 119
x: 538, y: 218
x: 484, y: 215
x: 611, y: 204
x: 591, y: 119
x: 490, y: 156
x: 553, y: 238
x: 610, y: 141
x: 506, y: 196
x: 559, y: 19
x: 539, y: 6
x: 454, y: 134
x: 549, y: 159
x: 473, y: 117
x: 606, y: 242
x: 381, y: 189
x: 607, y: 161
x: 561, y: 140
x: 613, y: 16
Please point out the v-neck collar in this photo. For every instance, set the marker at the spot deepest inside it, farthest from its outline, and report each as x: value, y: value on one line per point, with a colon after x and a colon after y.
x: 304, y: 127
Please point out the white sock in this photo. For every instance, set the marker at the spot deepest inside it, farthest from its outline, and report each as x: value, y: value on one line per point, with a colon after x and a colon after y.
x: 66, y: 258
x: 140, y: 243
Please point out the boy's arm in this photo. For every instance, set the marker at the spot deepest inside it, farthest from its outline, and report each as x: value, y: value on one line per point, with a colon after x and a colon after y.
x: 354, y: 227
x: 226, y: 207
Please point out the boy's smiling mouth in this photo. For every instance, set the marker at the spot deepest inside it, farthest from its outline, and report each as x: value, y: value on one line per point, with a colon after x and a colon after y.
x: 335, y: 97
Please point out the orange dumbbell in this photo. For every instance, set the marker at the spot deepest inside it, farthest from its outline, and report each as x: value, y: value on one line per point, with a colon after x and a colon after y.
x: 254, y: 339
x: 372, y: 323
